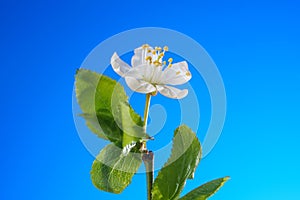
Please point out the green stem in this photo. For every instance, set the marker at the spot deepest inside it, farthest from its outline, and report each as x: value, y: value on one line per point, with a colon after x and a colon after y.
x: 148, y: 159
x: 146, y: 111
x: 148, y: 156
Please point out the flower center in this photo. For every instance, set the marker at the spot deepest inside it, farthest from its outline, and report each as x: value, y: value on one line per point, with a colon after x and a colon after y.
x: 155, y: 56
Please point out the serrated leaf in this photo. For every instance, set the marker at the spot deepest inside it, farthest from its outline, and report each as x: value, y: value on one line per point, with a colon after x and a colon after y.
x: 128, y: 121
x: 106, y: 110
x: 185, y: 156
x: 113, y: 170
x: 206, y: 190
x: 85, y: 87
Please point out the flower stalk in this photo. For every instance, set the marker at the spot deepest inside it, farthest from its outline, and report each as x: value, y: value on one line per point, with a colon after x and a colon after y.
x: 148, y: 159
x: 146, y: 110
x: 148, y: 156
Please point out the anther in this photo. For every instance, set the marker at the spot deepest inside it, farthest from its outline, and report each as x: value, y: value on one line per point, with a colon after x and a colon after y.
x: 158, y: 49
x: 149, y: 58
x: 145, y: 46
x: 156, y: 63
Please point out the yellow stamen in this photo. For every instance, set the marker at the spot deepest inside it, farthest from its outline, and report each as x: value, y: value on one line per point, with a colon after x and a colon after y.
x: 156, y: 63
x: 188, y: 73
x: 149, y: 58
x: 145, y: 46
x: 160, y: 56
x: 177, y: 73
x: 158, y: 48
x: 158, y: 53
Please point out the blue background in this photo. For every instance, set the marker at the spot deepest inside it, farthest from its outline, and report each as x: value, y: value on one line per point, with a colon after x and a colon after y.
x: 255, y: 45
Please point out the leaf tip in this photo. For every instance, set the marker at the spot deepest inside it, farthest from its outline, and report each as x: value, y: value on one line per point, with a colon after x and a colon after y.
x: 226, y: 178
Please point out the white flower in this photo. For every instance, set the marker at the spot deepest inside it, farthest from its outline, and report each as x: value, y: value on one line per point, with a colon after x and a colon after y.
x: 150, y: 74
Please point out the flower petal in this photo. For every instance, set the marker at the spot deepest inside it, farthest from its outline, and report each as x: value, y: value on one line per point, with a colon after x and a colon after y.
x: 156, y: 76
x: 177, y: 74
x: 139, y: 85
x: 172, y: 92
x: 139, y: 57
x: 143, y: 72
x: 118, y: 65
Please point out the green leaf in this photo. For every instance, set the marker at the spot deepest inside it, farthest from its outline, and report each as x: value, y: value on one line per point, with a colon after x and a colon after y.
x: 85, y: 87
x: 185, y: 156
x: 106, y: 110
x: 128, y: 121
x: 113, y: 170
x: 206, y: 190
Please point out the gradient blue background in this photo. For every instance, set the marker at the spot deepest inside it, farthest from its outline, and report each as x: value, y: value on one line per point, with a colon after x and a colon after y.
x: 255, y: 45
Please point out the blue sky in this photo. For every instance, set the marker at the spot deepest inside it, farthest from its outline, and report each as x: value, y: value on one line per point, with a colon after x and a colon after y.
x: 255, y: 45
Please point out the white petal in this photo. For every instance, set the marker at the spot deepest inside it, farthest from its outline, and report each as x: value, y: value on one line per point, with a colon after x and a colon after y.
x: 177, y: 74
x: 157, y: 74
x: 139, y: 85
x: 143, y: 72
x: 137, y: 73
x: 139, y: 57
x: 172, y: 92
x: 118, y: 65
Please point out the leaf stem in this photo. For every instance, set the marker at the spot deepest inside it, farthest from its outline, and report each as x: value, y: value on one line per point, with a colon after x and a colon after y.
x: 148, y: 156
